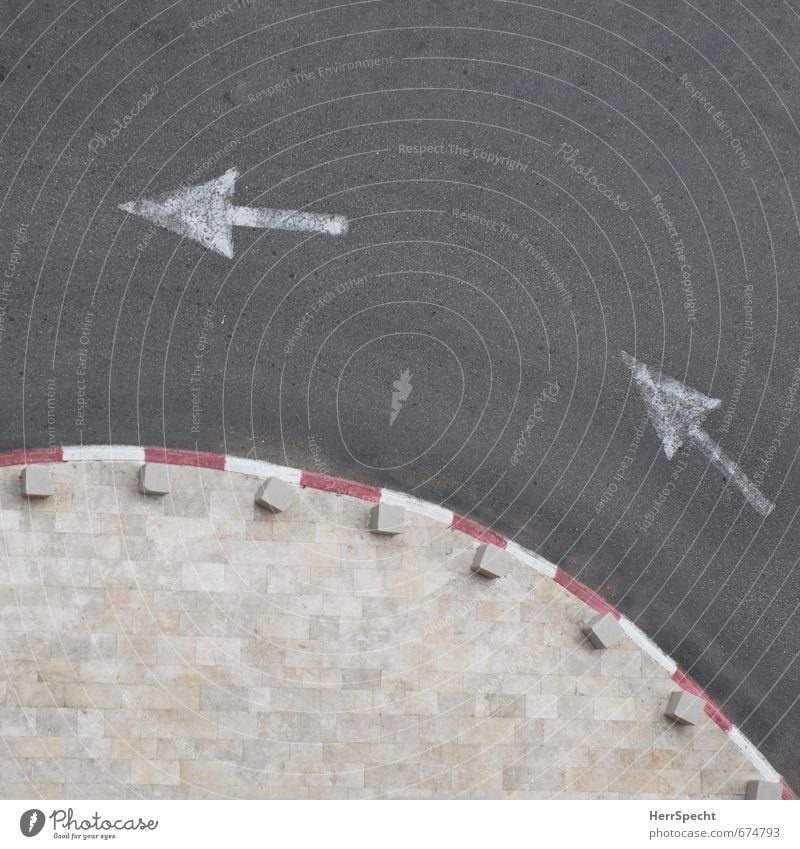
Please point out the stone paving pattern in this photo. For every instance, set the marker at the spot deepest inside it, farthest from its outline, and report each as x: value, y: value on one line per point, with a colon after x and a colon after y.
x: 197, y: 646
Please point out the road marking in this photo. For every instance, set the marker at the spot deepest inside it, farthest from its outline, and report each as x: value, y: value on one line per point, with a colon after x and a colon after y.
x: 677, y: 413
x: 402, y: 389
x: 206, y: 213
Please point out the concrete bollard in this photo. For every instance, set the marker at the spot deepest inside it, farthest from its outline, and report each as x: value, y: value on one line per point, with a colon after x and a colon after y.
x: 275, y: 495
x: 154, y: 479
x: 603, y: 631
x: 490, y: 561
x: 387, y: 519
x: 763, y: 790
x: 685, y: 708
x: 36, y: 482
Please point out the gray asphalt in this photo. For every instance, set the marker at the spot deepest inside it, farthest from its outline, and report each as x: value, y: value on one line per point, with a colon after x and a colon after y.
x: 482, y: 258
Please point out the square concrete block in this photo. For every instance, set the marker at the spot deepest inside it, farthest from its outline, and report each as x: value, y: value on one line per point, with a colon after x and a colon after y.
x: 603, y: 631
x: 763, y: 790
x: 154, y: 479
x: 36, y: 482
x: 275, y: 495
x: 389, y: 519
x: 490, y: 561
x: 685, y: 708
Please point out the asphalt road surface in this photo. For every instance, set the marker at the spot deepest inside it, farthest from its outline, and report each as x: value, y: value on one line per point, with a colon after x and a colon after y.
x: 530, y: 191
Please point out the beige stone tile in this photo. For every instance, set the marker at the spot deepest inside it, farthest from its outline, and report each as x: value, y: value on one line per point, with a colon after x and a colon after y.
x: 591, y: 779
x: 203, y: 577
x: 726, y: 783
x: 613, y: 708
x: 635, y: 781
x: 614, y: 663
x: 99, y: 696
x: 541, y: 707
x: 213, y: 651
x: 155, y: 772
x: 133, y: 748
x: 276, y: 626
x: 41, y: 747
x: 205, y: 773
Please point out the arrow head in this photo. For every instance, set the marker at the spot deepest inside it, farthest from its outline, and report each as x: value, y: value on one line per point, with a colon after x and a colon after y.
x: 202, y: 213
x: 675, y: 410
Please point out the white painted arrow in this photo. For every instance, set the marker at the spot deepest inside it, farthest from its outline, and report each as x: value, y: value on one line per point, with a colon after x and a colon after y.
x: 206, y: 214
x: 677, y: 413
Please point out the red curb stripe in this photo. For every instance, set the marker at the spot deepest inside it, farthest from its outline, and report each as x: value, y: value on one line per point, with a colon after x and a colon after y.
x: 688, y: 684
x: 179, y: 457
x: 35, y: 455
x: 478, y: 531
x: 586, y: 595
x: 711, y: 709
x: 788, y: 793
x: 341, y: 486
x: 716, y: 715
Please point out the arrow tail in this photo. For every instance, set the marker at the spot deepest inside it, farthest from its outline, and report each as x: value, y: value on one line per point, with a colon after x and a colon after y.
x: 717, y: 456
x: 288, y: 219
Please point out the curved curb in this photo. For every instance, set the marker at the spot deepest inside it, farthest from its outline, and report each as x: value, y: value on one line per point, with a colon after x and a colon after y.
x: 452, y: 520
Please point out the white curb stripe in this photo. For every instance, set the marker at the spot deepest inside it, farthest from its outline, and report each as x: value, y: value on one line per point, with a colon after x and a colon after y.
x: 261, y: 468
x: 417, y: 505
x: 751, y: 753
x: 103, y: 454
x: 644, y: 642
x: 531, y: 559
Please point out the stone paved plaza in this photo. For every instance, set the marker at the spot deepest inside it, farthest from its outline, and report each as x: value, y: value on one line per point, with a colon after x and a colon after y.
x: 196, y: 645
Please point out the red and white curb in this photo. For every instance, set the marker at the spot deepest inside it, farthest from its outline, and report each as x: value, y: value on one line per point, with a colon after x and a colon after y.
x: 341, y: 486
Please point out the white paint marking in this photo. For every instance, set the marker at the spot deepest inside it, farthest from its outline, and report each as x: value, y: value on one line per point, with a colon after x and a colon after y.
x: 753, y: 755
x: 647, y: 646
x: 677, y: 413
x: 417, y: 505
x: 531, y: 559
x: 206, y: 214
x: 261, y: 469
x: 103, y: 453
